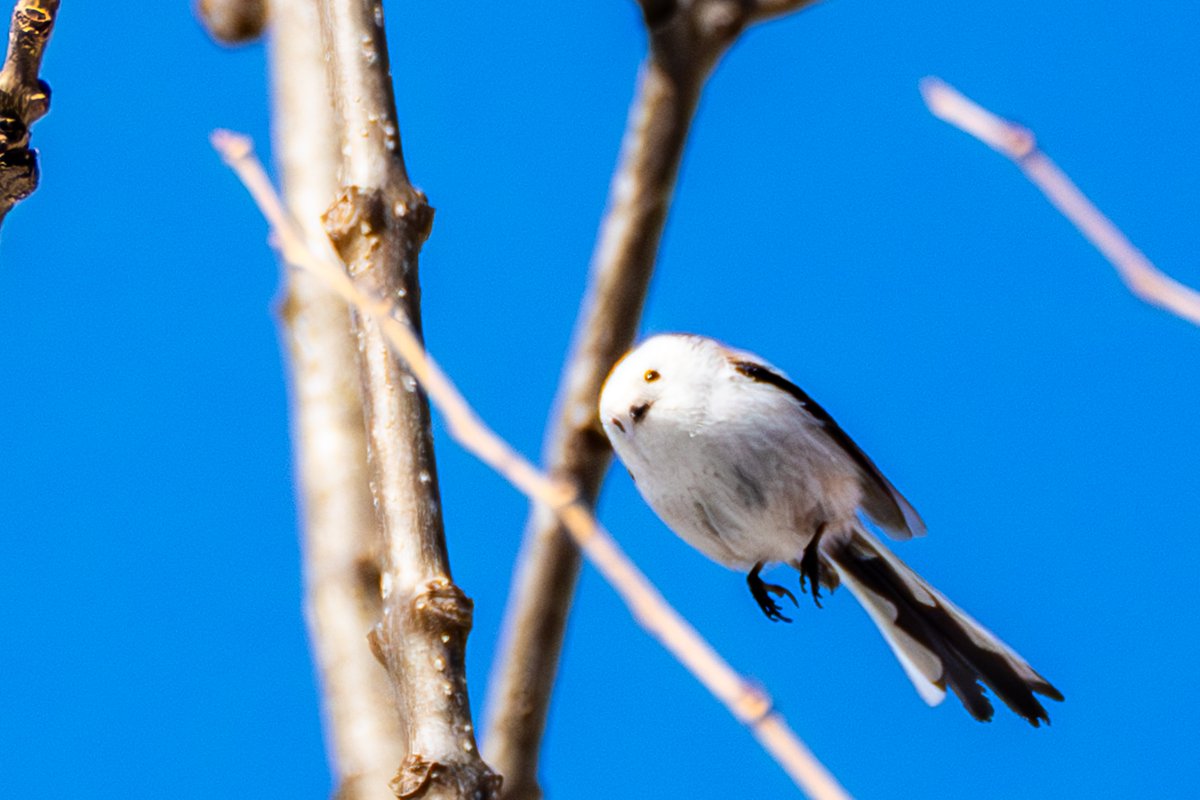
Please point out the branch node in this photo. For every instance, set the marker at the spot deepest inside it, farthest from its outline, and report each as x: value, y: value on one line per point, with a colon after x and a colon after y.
x: 657, y: 12
x: 360, y: 220
x: 753, y: 705
x: 688, y: 36
x: 444, y: 607
x: 375, y: 642
x: 420, y: 777
x: 14, y: 133
x: 18, y: 176
x: 413, y: 776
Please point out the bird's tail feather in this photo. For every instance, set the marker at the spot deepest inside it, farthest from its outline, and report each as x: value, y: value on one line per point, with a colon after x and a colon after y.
x: 938, y: 644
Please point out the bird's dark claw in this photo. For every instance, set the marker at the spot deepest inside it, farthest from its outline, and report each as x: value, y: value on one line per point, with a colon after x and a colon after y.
x: 762, y: 591
x: 810, y: 566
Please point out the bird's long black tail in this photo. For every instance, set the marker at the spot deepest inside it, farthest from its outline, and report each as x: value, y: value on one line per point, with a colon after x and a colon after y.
x: 938, y: 644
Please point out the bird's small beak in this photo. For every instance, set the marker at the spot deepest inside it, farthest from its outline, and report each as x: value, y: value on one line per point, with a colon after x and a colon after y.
x: 617, y: 424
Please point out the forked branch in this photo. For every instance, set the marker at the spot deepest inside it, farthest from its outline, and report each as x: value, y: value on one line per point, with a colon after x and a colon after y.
x: 687, y: 38
x: 744, y: 700
x: 1018, y: 143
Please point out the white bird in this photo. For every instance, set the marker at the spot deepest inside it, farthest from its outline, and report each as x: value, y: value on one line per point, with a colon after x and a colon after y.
x: 749, y: 470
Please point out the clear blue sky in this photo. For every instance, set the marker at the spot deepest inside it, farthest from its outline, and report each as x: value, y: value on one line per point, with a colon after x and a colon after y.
x: 1043, y: 421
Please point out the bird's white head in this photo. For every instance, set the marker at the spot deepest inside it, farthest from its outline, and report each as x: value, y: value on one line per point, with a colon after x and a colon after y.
x: 669, y: 373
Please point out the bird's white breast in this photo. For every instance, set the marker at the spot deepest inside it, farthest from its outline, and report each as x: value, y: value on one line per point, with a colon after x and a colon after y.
x: 739, y: 471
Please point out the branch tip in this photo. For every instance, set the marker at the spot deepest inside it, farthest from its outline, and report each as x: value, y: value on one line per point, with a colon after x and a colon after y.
x: 1139, y: 274
x: 231, y: 145
x: 233, y: 22
x: 24, y: 98
x: 952, y: 106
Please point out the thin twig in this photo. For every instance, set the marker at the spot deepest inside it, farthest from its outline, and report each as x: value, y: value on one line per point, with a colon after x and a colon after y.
x: 1019, y: 144
x: 746, y: 702
x: 687, y: 37
x: 340, y: 534
x: 24, y: 98
x: 377, y: 225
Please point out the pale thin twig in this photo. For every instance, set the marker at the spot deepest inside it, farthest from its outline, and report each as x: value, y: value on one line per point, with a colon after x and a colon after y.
x: 1019, y: 144
x: 747, y: 703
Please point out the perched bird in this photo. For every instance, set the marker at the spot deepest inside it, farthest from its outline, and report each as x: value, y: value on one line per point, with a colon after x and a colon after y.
x: 749, y: 470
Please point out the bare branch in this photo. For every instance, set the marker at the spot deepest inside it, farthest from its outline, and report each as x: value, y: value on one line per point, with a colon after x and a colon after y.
x: 234, y: 22
x: 24, y: 98
x: 745, y: 701
x: 687, y: 38
x: 378, y: 224
x: 1017, y: 143
x: 341, y: 540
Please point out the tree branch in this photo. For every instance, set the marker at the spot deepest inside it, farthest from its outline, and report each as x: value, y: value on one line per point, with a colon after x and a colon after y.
x: 749, y: 704
x: 341, y: 548
x: 687, y: 37
x: 24, y: 98
x: 1018, y: 143
x: 234, y: 22
x: 377, y: 225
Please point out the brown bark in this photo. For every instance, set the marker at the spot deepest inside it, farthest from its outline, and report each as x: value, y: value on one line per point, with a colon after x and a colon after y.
x: 234, y: 22
x: 377, y: 225
x: 340, y: 535
x: 24, y: 98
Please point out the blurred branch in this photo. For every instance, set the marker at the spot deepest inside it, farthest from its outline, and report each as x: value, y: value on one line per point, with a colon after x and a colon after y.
x: 746, y: 702
x: 24, y: 98
x: 687, y: 37
x: 234, y: 22
x: 1018, y: 144
x: 341, y: 538
x: 377, y: 225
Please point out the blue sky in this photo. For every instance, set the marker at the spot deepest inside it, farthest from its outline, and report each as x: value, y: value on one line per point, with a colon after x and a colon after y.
x: 1042, y: 420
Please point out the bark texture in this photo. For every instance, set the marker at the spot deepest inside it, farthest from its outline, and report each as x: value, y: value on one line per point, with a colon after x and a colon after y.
x: 340, y: 535
x: 24, y: 98
x: 377, y: 225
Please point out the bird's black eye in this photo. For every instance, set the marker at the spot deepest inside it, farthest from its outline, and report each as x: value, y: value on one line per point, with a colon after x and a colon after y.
x: 651, y: 376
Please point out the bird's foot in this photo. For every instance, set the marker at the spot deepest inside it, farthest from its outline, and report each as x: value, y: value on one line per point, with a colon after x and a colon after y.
x: 761, y: 591
x: 810, y: 566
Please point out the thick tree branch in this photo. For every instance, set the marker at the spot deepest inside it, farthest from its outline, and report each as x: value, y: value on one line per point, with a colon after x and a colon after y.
x: 1018, y: 143
x: 687, y: 37
x: 745, y: 701
x: 378, y: 224
x: 341, y: 539
x: 24, y: 98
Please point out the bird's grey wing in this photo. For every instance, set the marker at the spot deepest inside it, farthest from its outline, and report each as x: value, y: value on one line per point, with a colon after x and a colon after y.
x: 882, y: 502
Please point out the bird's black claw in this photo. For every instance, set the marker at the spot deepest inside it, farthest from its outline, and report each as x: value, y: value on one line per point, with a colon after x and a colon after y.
x: 762, y: 591
x: 810, y: 566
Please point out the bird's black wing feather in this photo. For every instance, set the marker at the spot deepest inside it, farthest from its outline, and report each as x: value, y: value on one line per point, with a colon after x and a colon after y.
x: 881, y: 501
